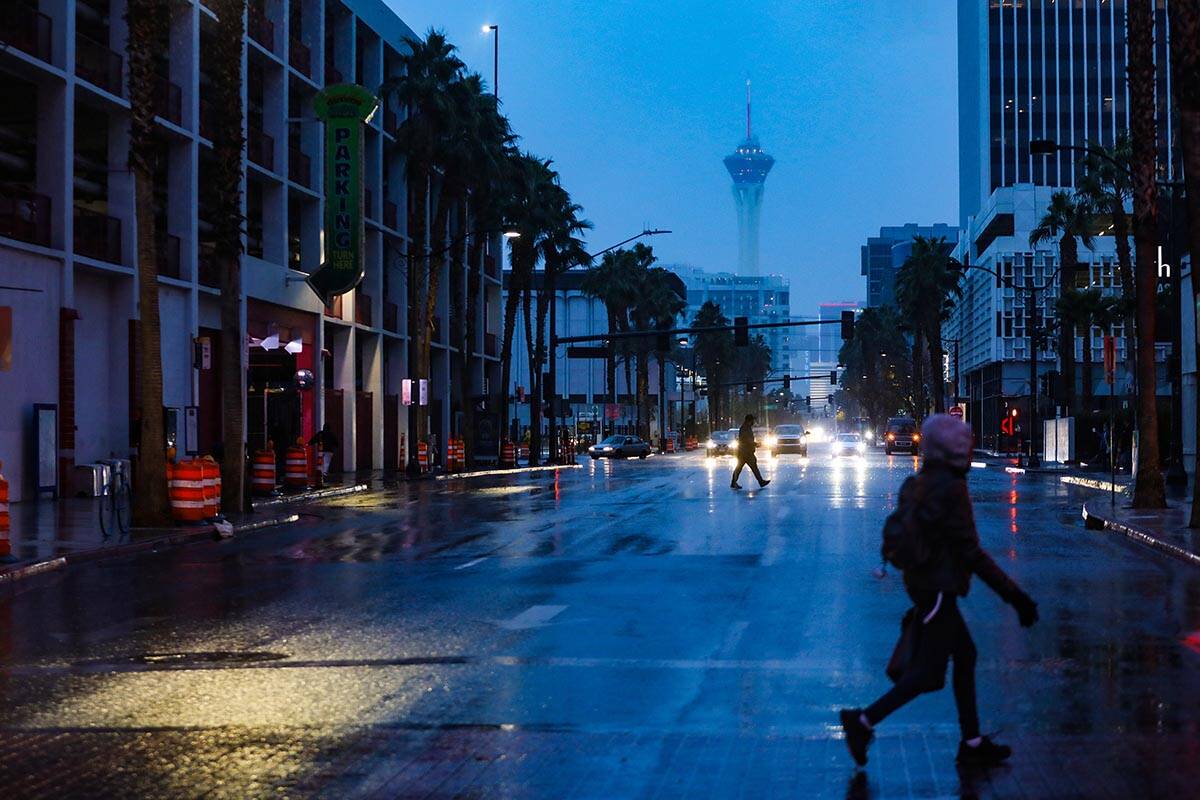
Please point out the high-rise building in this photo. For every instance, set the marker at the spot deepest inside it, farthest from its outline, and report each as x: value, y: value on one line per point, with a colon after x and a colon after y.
x: 1040, y: 69
x: 763, y: 298
x: 748, y: 165
x: 882, y: 255
x: 1035, y: 69
x: 68, y: 241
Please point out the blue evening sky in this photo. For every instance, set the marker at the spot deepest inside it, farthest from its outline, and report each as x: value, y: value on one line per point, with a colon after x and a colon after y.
x: 638, y: 101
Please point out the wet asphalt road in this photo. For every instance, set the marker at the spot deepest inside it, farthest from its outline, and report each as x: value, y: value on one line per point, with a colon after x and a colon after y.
x: 631, y: 629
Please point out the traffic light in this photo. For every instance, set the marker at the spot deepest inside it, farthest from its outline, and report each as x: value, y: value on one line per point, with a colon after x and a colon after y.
x: 808, y: 402
x: 741, y: 331
x: 663, y: 342
x: 520, y: 394
x: 847, y: 325
x: 787, y: 384
x: 833, y: 377
x: 547, y: 391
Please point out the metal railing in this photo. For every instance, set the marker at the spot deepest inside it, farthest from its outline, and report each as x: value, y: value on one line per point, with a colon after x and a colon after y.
x: 260, y: 148
x: 98, y: 64
x: 97, y: 235
x: 168, y: 98
x: 299, y: 167
x: 24, y: 215
x: 27, y: 29
x: 300, y: 57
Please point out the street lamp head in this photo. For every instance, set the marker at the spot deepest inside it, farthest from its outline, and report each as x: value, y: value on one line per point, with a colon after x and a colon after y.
x: 683, y: 341
x: 1043, y: 147
x: 512, y: 234
x: 490, y: 28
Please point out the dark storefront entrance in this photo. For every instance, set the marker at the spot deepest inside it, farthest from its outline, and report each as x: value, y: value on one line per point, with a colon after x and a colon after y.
x: 281, y: 341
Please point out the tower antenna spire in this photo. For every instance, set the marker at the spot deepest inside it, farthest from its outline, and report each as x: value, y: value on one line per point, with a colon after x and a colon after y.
x: 748, y: 129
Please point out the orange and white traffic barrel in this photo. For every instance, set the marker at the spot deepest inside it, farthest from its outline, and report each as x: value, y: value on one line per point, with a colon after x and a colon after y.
x: 5, y: 519
x: 423, y: 456
x: 185, y: 486
x: 212, y: 487
x: 295, y: 470
x: 262, y: 473
x: 523, y: 452
x: 508, y: 454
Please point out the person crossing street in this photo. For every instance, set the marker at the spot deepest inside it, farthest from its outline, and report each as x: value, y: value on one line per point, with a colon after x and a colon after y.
x: 745, y: 454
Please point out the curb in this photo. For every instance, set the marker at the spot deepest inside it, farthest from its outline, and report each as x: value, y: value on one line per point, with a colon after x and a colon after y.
x: 175, y: 538
x: 303, y: 497
x: 454, y: 476
x: 1095, y: 522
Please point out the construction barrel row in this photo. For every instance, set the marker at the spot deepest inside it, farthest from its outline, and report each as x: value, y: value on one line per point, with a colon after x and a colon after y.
x: 194, y: 489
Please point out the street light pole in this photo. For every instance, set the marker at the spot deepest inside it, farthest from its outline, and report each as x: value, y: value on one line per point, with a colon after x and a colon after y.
x: 552, y: 378
x: 495, y: 31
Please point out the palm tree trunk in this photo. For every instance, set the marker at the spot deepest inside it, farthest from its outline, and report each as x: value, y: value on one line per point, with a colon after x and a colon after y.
x: 628, y: 373
x: 918, y: 361
x: 226, y: 177
x: 535, y: 379
x: 1185, y: 62
x: 1069, y: 253
x: 147, y: 23
x: 467, y: 350
x: 418, y: 322
x: 511, y: 302
x: 543, y: 308
x: 429, y: 298
x: 643, y: 393
x: 1149, y: 491
x: 1087, y: 365
x: 1120, y: 221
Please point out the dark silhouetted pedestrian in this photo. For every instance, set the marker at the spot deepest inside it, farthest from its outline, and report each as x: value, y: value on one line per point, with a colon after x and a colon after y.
x: 943, y: 551
x: 745, y: 454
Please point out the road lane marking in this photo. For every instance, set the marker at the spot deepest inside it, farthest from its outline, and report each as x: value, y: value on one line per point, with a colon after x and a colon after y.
x: 472, y: 562
x: 532, y: 617
x: 733, y: 637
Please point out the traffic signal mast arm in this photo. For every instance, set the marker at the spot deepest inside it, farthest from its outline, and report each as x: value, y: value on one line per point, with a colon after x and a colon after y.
x: 604, y: 337
x: 822, y: 376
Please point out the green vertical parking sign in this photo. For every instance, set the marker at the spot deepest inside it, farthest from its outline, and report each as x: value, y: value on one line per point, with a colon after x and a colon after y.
x: 344, y: 108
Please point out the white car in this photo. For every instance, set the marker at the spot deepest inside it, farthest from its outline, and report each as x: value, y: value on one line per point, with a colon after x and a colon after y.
x: 848, y: 444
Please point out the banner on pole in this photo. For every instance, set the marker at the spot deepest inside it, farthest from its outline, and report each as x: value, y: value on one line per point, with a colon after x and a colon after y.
x: 343, y: 108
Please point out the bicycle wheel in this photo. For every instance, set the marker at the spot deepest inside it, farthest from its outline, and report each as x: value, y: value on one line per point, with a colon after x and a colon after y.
x: 108, y: 522
x: 122, y: 504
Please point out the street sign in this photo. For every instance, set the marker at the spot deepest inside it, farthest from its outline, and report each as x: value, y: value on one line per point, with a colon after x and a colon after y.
x: 612, y: 411
x: 1110, y: 360
x: 956, y: 411
x: 344, y: 108
x: 406, y: 392
x: 423, y: 390
x: 586, y: 351
x: 1006, y: 426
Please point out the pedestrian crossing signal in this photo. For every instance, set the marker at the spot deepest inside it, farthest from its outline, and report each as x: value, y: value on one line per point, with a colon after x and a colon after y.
x: 847, y: 325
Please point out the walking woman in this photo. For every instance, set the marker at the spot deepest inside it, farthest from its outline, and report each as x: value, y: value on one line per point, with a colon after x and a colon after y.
x: 745, y: 454
x: 943, y: 519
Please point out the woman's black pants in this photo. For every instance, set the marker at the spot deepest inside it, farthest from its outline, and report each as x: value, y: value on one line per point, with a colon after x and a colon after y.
x: 944, y: 637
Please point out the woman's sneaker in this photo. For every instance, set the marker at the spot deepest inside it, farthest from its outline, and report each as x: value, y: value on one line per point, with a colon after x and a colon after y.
x: 858, y: 735
x: 987, y: 754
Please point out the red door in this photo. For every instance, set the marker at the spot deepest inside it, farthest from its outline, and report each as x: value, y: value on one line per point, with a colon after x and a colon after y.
x: 391, y: 431
x: 365, y: 434
x: 334, y: 419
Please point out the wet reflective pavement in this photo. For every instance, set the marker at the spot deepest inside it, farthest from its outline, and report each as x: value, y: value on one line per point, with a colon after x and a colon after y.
x: 624, y: 630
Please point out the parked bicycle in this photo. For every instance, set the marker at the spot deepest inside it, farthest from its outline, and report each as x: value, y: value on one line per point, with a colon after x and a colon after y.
x: 116, y: 504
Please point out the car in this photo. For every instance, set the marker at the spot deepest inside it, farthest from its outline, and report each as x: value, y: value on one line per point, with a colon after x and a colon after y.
x: 901, y: 434
x: 791, y: 439
x: 620, y: 446
x: 721, y: 443
x: 848, y: 444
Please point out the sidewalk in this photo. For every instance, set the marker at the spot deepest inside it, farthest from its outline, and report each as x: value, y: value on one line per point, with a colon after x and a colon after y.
x: 1165, y: 531
x: 52, y: 534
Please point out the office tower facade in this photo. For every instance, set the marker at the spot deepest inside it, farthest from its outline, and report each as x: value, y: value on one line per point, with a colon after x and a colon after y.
x: 884, y: 254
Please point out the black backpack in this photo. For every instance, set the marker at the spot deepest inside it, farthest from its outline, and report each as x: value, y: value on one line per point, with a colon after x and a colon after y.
x: 904, y: 544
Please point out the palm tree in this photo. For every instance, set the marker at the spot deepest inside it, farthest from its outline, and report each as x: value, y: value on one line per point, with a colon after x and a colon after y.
x: 657, y: 307
x: 1080, y: 310
x: 610, y: 282
x: 1108, y: 187
x: 1149, y: 491
x: 714, y: 353
x: 876, y: 372
x: 1185, y: 64
x: 562, y: 249
x: 147, y: 20
x: 927, y: 286
x: 1069, y: 220
x: 224, y: 182
x: 526, y: 209
x: 481, y: 213
x: 432, y: 90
